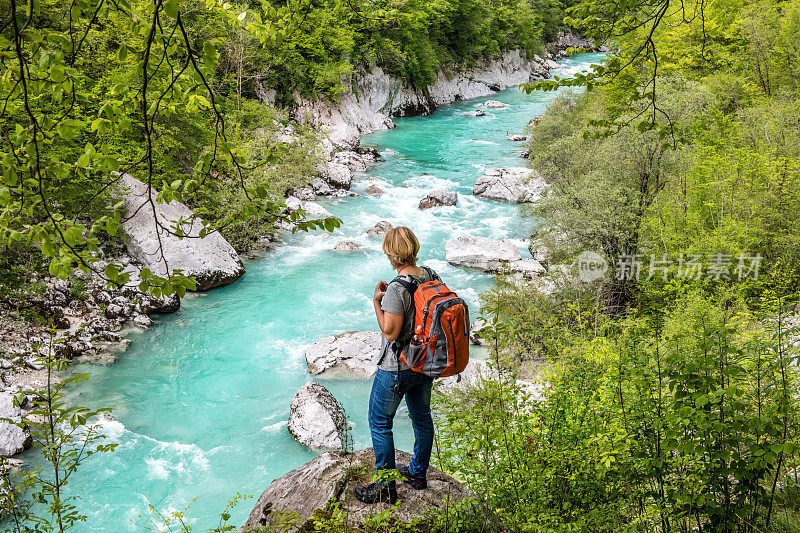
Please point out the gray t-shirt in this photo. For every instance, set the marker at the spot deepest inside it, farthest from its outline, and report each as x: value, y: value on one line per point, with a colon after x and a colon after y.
x: 398, y: 301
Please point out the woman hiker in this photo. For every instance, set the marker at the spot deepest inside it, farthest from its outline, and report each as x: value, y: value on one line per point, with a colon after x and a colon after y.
x: 394, y: 309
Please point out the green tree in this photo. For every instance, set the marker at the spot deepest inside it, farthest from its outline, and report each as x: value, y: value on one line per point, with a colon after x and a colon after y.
x: 66, y: 138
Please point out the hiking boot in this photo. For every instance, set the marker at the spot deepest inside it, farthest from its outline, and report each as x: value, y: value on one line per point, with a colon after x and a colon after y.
x: 417, y: 483
x: 374, y: 493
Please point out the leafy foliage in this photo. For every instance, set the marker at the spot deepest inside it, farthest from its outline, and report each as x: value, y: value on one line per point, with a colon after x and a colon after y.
x: 674, y: 406
x: 692, y: 425
x: 35, y: 500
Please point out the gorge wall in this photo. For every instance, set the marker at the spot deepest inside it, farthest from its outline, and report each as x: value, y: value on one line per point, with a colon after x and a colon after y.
x: 373, y: 97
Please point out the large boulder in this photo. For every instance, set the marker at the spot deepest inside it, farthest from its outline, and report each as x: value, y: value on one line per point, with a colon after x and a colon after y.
x: 352, y: 160
x: 315, y: 418
x: 320, y: 186
x: 337, y: 174
x: 350, y: 352
x: 512, y: 184
x: 489, y: 255
x: 211, y: 260
x: 480, y: 253
x: 13, y: 439
x: 330, y: 478
x: 529, y: 268
x: 438, y: 197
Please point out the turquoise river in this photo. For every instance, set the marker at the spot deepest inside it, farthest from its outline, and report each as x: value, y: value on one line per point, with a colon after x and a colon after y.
x: 200, y: 401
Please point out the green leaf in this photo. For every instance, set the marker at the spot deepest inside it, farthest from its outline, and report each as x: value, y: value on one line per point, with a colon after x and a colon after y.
x: 73, y: 236
x: 48, y: 248
x: 84, y: 161
x: 119, y: 88
x: 112, y: 226
x: 57, y: 74
x: 171, y: 7
x: 111, y: 272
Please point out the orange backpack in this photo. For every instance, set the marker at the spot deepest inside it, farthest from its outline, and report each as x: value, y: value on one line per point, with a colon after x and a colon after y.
x: 444, y: 318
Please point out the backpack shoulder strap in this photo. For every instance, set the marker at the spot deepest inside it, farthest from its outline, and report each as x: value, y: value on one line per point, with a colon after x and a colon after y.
x: 396, y: 346
x: 410, y: 286
x: 431, y: 274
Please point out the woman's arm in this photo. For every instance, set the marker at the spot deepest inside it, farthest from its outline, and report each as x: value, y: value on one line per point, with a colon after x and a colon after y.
x: 389, y: 323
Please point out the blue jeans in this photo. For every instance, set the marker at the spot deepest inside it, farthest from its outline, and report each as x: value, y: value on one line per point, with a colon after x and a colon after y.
x: 383, y: 403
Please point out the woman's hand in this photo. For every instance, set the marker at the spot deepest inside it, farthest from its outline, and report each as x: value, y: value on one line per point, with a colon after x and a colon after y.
x: 380, y: 290
x: 389, y: 323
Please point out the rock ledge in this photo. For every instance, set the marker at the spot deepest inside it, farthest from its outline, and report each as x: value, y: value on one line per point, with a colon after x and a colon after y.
x: 350, y: 352
x: 332, y: 476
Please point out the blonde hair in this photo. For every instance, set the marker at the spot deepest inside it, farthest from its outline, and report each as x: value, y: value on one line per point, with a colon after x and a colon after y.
x: 401, y: 247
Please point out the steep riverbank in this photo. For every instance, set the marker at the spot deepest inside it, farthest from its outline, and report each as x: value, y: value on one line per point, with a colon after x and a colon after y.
x: 373, y: 98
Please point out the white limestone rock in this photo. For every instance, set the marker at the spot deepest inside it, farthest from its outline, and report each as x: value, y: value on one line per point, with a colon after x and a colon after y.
x: 352, y: 160
x: 347, y: 246
x: 321, y: 187
x: 494, y: 104
x: 306, y: 194
x: 530, y: 268
x: 480, y: 253
x: 328, y: 479
x: 13, y: 439
x: 437, y: 198
x: 512, y: 184
x: 371, y: 98
x: 212, y: 261
x: 379, y: 229
x: 517, y: 138
x: 352, y: 352
x: 315, y: 418
x: 475, y: 336
x: 311, y: 209
x: 489, y: 255
x: 336, y: 174
x: 142, y: 321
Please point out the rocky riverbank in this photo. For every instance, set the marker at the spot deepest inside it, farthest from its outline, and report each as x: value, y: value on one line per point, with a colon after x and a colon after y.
x: 84, y: 319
